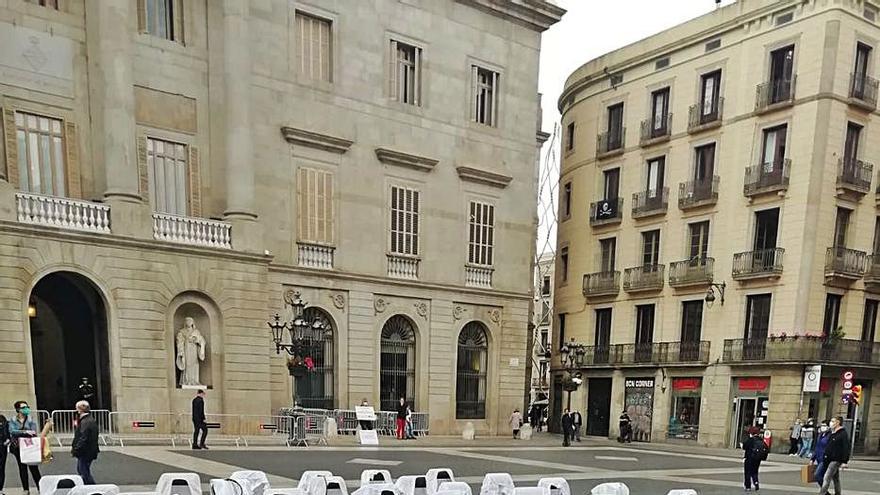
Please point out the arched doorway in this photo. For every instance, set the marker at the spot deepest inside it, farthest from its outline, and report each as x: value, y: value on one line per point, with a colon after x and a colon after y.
x: 397, y: 375
x: 68, y: 327
x: 471, y: 370
x: 316, y: 388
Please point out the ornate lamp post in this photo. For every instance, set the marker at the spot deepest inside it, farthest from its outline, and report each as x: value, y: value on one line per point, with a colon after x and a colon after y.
x: 572, y: 359
x: 710, y: 293
x: 306, y: 339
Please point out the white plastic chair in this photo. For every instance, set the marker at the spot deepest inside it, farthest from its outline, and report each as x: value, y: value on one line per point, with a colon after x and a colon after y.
x: 531, y: 490
x: 327, y: 485
x: 284, y: 491
x: 436, y: 476
x: 457, y: 487
x: 615, y: 488
x: 306, y: 479
x: 377, y: 489
x: 58, y: 484
x: 252, y: 482
x: 686, y: 491
x: 370, y: 476
x: 557, y: 486
x: 412, y: 485
x: 497, y: 484
x: 94, y: 490
x: 179, y: 484
x: 223, y: 486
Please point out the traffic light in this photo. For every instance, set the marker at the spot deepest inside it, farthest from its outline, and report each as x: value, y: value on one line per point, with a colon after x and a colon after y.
x: 856, y: 394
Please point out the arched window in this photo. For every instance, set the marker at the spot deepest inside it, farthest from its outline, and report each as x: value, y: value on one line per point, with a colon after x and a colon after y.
x: 470, y: 378
x: 397, y: 375
x: 316, y: 388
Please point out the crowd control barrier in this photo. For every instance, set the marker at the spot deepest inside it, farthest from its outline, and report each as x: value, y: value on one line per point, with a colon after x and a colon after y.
x: 142, y: 426
x: 265, y: 429
x: 65, y: 422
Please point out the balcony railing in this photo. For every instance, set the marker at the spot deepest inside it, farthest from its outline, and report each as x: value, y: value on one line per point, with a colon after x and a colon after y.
x: 696, y: 193
x: 756, y: 264
x: 776, y: 92
x: 650, y: 133
x: 863, y: 91
x: 641, y: 278
x: 649, y: 203
x: 315, y: 255
x: 854, y: 175
x: 478, y: 276
x: 872, y: 272
x: 695, y: 271
x: 192, y: 231
x: 64, y: 213
x: 400, y: 266
x: 846, y: 263
x: 606, y: 211
x: 648, y: 354
x: 700, y: 117
x: 802, y: 349
x: 602, y: 283
x: 765, y: 177
x: 609, y: 143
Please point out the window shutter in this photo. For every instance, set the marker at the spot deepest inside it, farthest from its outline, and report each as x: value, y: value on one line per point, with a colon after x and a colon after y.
x: 494, y: 99
x: 74, y: 179
x: 474, y: 90
x: 143, y: 173
x: 329, y: 214
x: 195, y: 183
x: 11, y: 147
x: 417, y: 80
x: 142, y: 15
x: 392, y: 72
x: 178, y: 19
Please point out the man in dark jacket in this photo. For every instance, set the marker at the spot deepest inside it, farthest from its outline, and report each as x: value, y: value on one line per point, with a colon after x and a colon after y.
x: 754, y: 451
x: 576, y: 421
x: 401, y: 418
x: 836, y: 456
x: 567, y: 428
x: 85, y: 442
x: 4, y: 449
x: 198, y: 418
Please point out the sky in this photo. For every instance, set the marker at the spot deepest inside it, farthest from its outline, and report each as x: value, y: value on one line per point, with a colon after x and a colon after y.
x: 589, y: 29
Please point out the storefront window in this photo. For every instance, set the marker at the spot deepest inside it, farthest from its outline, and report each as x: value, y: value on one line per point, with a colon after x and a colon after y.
x: 684, y: 419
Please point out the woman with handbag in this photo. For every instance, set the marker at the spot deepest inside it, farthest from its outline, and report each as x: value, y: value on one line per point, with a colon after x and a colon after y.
x: 20, y: 427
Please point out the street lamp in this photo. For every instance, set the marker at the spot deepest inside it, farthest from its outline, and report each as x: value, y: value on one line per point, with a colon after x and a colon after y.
x: 306, y: 333
x: 572, y: 359
x: 710, y: 293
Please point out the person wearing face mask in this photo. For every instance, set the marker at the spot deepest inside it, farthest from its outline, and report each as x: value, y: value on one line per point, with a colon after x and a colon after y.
x: 836, y: 456
x: 22, y: 426
x: 818, y: 458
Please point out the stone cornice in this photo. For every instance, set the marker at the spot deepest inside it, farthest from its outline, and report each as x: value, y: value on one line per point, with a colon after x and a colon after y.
x: 542, y: 137
x: 315, y: 140
x: 534, y: 14
x: 401, y: 159
x: 471, y: 174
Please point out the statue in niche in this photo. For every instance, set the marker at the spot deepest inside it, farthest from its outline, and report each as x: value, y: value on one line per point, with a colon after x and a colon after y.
x: 190, y: 351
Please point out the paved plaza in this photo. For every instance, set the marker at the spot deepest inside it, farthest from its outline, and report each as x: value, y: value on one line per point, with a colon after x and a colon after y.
x: 648, y: 469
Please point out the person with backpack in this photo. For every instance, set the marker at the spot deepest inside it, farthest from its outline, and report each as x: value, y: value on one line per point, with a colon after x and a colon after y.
x: 4, y: 449
x: 836, y: 456
x: 755, y: 451
x: 819, y: 457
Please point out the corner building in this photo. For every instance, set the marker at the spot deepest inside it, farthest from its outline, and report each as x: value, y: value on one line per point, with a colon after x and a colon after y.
x: 173, y: 159
x: 728, y: 155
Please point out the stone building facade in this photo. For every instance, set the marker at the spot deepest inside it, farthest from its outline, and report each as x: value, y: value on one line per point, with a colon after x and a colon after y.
x: 718, y: 234
x: 174, y: 159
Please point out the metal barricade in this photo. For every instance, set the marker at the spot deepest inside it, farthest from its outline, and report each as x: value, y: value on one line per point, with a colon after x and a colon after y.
x: 420, y: 423
x: 386, y: 423
x: 221, y: 428
x: 346, y: 421
x: 65, y: 422
x: 307, y: 428
x: 142, y: 426
x: 264, y: 429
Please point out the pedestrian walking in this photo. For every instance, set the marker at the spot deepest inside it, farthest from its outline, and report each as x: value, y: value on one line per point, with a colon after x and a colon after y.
x: 401, y: 418
x: 23, y: 426
x: 516, y: 422
x: 576, y: 421
x: 566, y: 428
x: 409, y: 424
x: 624, y: 424
x: 794, y: 438
x: 533, y: 417
x: 4, y: 449
x: 85, y: 442
x: 198, y: 419
x: 835, y: 457
x: 807, y: 433
x: 754, y: 452
x: 819, y: 456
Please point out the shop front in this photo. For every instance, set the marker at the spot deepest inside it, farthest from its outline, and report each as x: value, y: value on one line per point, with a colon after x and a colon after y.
x: 751, y: 405
x: 684, y: 418
x: 639, y: 405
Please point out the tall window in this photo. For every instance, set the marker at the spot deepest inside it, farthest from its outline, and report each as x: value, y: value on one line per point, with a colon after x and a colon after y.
x: 851, y: 145
x: 602, y: 339
x: 481, y: 237
x: 651, y: 248
x: 704, y: 164
x: 766, y: 229
x: 781, y: 70
x: 615, y: 126
x: 41, y: 166
x: 315, y: 389
x: 470, y: 377
x: 315, y: 206
x: 710, y: 92
x: 655, y: 172
x: 404, y: 221
x: 561, y: 330
x: 563, y: 264
x: 876, y: 244
x: 397, y: 373
x: 869, y: 322
x: 315, y: 47
x: 485, y: 96
x: 566, y: 200
x: 698, y: 233
x: 406, y: 73
x: 611, y: 183
x: 644, y: 332
x: 659, y: 110
x: 608, y: 248
x: 168, y: 176
x: 162, y: 19
x: 757, y: 318
x: 569, y: 137
x: 831, y: 320
x: 691, y: 329
x: 841, y: 225
x: 773, y: 151
x: 545, y: 285
x: 863, y: 59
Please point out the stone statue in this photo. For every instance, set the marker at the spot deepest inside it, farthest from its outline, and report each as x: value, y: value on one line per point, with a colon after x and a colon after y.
x: 190, y: 350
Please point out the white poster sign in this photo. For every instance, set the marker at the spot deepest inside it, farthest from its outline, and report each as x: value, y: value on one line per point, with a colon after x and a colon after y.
x: 365, y: 413
x: 368, y: 437
x: 812, y: 377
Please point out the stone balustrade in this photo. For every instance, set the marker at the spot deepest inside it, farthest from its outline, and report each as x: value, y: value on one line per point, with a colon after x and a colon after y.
x: 192, y: 231
x: 63, y: 213
x: 478, y: 276
x: 315, y: 255
x: 403, y: 267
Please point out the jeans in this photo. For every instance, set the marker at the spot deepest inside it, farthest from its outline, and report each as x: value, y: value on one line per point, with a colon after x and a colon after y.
x: 832, y: 475
x: 23, y: 473
x: 750, y: 473
x: 84, y: 469
x: 199, y: 427
x: 577, y: 432
x: 806, y: 447
x: 820, y: 473
x: 409, y: 430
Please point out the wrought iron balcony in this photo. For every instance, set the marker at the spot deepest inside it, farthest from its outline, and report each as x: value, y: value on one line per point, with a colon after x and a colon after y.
x: 701, y: 118
x: 695, y: 271
x: 643, y: 278
x: 651, y: 134
x: 758, y: 264
x: 697, y: 193
x: 650, y: 203
x: 872, y: 273
x: 844, y: 263
x: 854, y: 176
x: 863, y: 91
x: 766, y: 177
x: 610, y: 143
x: 649, y: 354
x: 775, y: 94
x: 802, y: 349
x: 602, y: 283
x: 606, y: 211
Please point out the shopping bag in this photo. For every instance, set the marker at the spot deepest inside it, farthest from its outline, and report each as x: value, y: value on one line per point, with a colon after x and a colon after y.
x: 47, y: 449
x: 30, y: 450
x: 808, y: 474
